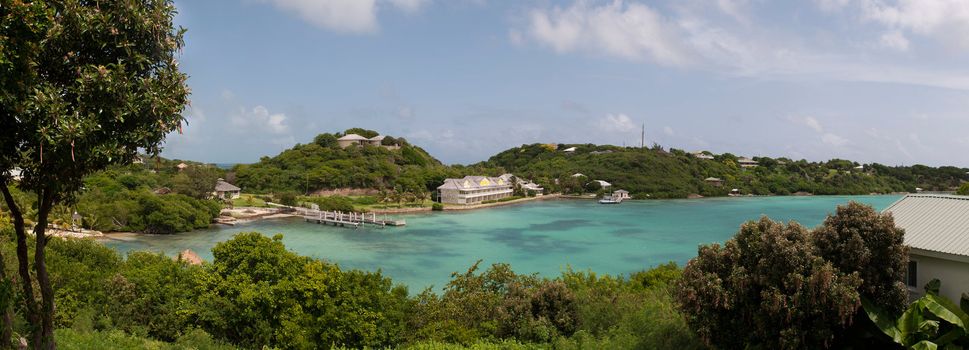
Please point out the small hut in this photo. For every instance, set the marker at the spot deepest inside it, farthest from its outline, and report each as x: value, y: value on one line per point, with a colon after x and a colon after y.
x: 225, y: 190
x: 714, y: 181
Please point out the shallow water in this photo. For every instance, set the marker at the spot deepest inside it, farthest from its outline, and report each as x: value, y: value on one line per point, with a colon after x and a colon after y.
x: 539, y: 237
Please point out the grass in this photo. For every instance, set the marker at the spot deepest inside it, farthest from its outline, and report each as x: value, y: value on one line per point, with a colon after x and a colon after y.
x: 249, y: 200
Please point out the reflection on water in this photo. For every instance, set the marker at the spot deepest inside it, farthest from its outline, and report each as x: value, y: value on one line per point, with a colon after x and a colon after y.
x: 541, y: 237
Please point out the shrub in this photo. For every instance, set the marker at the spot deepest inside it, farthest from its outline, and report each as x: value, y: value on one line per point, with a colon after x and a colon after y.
x: 859, y: 239
x: 437, y: 207
x: 286, y: 198
x: 767, y: 288
x: 333, y: 203
x: 963, y: 190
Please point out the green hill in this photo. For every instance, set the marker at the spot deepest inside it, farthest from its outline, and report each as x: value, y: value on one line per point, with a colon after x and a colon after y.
x: 323, y: 164
x: 657, y: 173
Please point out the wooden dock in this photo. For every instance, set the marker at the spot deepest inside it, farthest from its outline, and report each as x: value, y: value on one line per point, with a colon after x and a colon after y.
x: 346, y: 219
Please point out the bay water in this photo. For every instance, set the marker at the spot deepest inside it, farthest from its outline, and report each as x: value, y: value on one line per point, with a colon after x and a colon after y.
x: 543, y: 237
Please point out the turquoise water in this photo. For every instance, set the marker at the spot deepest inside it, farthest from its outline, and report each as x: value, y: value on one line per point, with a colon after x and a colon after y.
x: 540, y: 237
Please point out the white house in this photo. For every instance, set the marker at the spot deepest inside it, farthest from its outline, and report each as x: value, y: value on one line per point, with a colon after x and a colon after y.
x: 569, y: 150
x: 473, y: 190
x: 701, y: 155
x: 603, y: 184
x: 620, y: 195
x: 937, y: 230
x: 225, y: 190
x: 747, y: 162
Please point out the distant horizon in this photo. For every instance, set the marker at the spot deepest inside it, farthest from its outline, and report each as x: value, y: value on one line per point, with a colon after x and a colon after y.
x: 879, y: 81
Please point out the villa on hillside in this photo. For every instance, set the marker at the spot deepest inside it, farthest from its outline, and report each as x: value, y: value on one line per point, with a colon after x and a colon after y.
x: 181, y: 166
x: 526, y: 185
x: 225, y: 190
x: 747, y: 162
x: 473, y: 190
x: 937, y: 230
x: 603, y: 184
x: 357, y: 140
x: 714, y: 181
x: 620, y: 195
x: 569, y: 150
x: 701, y: 155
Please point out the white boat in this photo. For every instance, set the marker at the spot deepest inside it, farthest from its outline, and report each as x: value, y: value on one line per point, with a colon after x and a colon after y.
x: 609, y: 200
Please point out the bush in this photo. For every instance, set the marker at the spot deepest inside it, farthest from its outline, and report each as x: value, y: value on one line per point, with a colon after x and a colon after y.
x: 437, y: 207
x: 767, y: 288
x: 286, y: 198
x: 333, y: 203
x: 963, y: 190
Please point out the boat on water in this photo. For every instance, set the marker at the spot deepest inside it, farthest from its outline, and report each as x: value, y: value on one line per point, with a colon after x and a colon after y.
x: 610, y: 200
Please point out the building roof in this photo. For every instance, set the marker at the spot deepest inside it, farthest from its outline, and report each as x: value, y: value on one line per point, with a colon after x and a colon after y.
x: 570, y: 149
x: 602, y: 183
x: 352, y: 137
x: 578, y: 174
x: 938, y: 223
x: 222, y: 186
x: 378, y: 138
x: 620, y: 191
x: 712, y: 179
x: 746, y: 160
x: 473, y: 183
x: 181, y: 166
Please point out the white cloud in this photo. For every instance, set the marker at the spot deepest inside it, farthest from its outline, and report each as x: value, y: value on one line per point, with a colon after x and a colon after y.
x: 630, y: 31
x: 945, y: 20
x: 228, y: 94
x: 349, y: 16
x: 832, y: 5
x: 258, y: 119
x: 668, y: 131
x: 617, y: 123
x: 894, y: 40
x: 813, y: 124
x: 833, y: 139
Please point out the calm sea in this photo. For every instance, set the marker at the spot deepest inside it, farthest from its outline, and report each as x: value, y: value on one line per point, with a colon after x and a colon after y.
x: 541, y: 237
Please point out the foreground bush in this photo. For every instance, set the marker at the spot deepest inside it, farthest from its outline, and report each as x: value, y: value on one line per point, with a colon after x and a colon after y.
x: 767, y: 287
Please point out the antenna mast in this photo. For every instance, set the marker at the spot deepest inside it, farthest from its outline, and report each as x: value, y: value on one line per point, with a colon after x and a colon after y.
x: 642, y: 140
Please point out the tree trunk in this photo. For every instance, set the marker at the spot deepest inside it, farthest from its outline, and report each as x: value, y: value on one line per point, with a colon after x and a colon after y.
x: 23, y: 262
x: 40, y: 265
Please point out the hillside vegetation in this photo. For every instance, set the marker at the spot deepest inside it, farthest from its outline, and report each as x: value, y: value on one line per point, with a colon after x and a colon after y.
x: 322, y: 164
x: 657, y: 173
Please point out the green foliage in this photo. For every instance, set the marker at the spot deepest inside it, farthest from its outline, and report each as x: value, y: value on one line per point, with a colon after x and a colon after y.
x: 324, y: 165
x: 116, y: 339
x: 766, y: 287
x: 362, y: 132
x: 437, y: 207
x: 963, y: 190
x: 930, y: 322
x: 333, y: 203
x: 287, y: 198
x: 258, y: 293
x: 655, y: 173
x: 858, y: 239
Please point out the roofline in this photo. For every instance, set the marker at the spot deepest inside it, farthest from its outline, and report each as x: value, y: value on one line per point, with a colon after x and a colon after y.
x: 926, y: 195
x: 938, y: 254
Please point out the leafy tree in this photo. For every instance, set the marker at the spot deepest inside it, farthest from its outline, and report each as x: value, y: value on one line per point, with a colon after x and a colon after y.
x: 85, y: 85
x: 963, y: 190
x: 196, y: 181
x: 362, y: 132
x: 930, y: 322
x: 857, y: 239
x: 767, y: 288
x: 326, y: 140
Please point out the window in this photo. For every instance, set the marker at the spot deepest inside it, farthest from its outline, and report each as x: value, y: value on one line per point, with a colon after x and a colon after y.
x: 912, y: 277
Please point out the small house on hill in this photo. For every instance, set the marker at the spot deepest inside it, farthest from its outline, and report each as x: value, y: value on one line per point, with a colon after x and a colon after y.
x: 747, y: 162
x: 225, y: 190
x: 181, y: 166
x: 701, y: 155
x: 937, y: 230
x: 569, y: 150
x: 357, y: 140
x: 714, y: 181
x: 603, y: 184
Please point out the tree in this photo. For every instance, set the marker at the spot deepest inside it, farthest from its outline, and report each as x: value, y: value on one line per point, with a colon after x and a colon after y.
x: 859, y: 239
x: 963, y: 190
x: 84, y: 85
x: 362, y: 132
x: 766, y: 288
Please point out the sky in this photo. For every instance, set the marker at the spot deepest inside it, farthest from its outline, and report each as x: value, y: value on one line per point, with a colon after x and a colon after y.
x: 882, y: 81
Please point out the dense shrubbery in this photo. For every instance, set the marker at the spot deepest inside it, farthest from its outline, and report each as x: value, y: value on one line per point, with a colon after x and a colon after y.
x: 964, y: 189
x: 333, y: 203
x: 655, y: 173
x: 779, y: 286
x: 324, y: 165
x: 119, y: 200
x: 255, y: 293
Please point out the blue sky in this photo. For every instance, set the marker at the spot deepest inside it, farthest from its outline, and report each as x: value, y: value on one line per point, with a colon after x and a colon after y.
x: 869, y: 80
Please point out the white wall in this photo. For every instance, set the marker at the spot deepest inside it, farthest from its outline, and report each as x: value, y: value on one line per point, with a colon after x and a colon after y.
x: 953, y: 274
